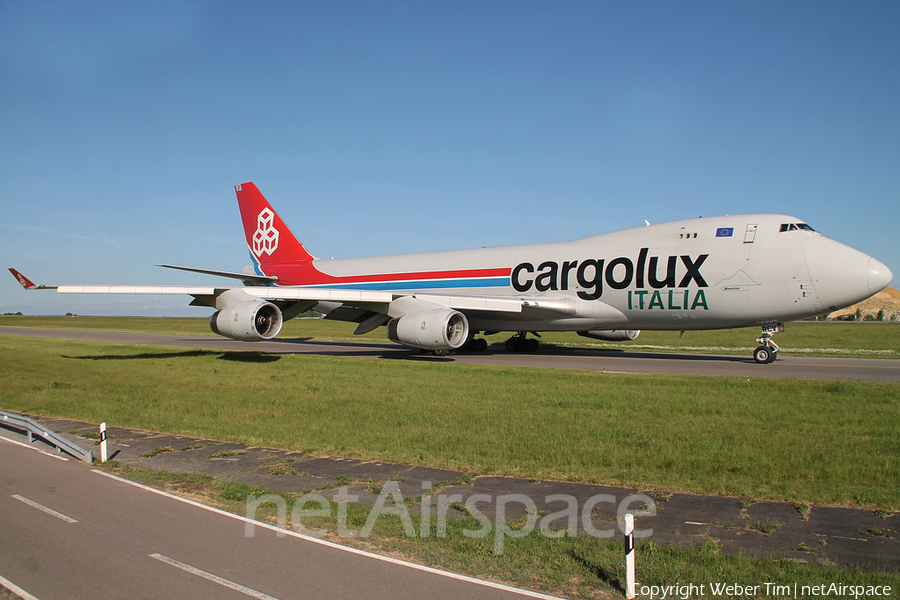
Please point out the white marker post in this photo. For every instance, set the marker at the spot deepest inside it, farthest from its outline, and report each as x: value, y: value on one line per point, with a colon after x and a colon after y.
x: 629, y: 556
x: 103, y: 451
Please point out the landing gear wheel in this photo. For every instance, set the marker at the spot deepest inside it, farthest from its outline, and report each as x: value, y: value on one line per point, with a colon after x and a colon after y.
x: 763, y: 355
x: 767, y: 353
x: 475, y: 345
x: 440, y: 352
x: 520, y: 343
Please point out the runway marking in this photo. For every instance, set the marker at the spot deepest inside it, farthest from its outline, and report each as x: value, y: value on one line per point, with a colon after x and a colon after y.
x: 24, y: 445
x: 214, y: 578
x: 6, y: 583
x: 292, y: 533
x: 43, y: 508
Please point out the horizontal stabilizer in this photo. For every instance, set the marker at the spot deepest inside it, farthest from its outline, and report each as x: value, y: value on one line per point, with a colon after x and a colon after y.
x: 261, y: 279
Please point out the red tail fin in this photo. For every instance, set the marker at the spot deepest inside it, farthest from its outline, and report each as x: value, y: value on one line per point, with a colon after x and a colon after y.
x: 26, y: 283
x: 269, y: 239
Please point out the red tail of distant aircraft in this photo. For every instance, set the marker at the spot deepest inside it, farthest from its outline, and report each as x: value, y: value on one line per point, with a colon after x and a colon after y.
x: 718, y: 272
x: 27, y: 283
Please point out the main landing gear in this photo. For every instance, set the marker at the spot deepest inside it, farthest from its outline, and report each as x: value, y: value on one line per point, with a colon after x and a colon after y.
x: 520, y: 343
x: 475, y: 345
x: 769, y: 350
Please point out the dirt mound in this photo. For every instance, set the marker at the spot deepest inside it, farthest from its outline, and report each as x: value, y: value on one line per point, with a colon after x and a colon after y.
x: 885, y: 303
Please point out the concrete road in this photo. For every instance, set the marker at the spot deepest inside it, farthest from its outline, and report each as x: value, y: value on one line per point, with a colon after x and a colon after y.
x: 789, y: 367
x: 72, y: 533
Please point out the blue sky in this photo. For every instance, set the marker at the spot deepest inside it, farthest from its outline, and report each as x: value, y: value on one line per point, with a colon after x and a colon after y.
x: 387, y: 127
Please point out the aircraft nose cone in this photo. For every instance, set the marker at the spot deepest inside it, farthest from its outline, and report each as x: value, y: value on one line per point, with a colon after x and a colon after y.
x: 843, y: 275
x: 878, y: 276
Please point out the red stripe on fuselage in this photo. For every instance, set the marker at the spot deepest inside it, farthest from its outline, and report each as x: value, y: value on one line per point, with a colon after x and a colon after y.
x: 306, y: 274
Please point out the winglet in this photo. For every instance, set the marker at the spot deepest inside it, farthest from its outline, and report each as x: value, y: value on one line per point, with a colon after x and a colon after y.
x: 27, y: 283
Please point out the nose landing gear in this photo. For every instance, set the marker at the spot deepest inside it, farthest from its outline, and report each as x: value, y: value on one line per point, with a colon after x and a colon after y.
x: 769, y: 350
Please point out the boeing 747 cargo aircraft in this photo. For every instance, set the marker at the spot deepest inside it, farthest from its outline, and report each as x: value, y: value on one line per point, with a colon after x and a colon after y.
x: 707, y: 273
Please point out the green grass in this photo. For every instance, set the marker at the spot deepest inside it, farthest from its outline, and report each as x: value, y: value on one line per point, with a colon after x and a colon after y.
x: 804, y: 441
x: 167, y: 325
x: 157, y: 450
x: 584, y: 567
x: 801, y: 441
x: 861, y: 339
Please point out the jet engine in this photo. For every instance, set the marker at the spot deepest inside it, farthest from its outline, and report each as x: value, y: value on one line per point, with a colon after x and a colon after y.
x: 611, y: 335
x: 251, y: 321
x: 442, y: 329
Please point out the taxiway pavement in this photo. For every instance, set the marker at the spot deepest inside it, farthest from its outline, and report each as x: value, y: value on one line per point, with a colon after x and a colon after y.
x: 612, y: 361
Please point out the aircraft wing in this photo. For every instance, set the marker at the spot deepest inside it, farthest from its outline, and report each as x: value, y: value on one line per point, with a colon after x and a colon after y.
x: 372, y: 300
x: 514, y: 304
x: 192, y: 290
x: 206, y: 295
x: 356, y: 298
x: 363, y: 301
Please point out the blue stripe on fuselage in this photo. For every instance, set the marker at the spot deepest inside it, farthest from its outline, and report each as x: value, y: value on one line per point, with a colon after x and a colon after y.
x: 258, y: 270
x: 256, y: 266
x: 420, y: 284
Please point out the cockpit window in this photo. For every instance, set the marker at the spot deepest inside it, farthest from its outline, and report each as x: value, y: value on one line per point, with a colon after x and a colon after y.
x: 795, y: 227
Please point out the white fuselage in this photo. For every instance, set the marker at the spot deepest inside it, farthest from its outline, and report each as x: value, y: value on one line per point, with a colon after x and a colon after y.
x: 714, y: 272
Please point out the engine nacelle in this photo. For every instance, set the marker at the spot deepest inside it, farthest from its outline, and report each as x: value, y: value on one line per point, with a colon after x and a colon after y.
x: 611, y: 335
x: 442, y: 329
x: 251, y: 321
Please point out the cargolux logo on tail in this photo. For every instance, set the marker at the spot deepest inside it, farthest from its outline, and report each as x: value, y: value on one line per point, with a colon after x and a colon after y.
x: 265, y: 238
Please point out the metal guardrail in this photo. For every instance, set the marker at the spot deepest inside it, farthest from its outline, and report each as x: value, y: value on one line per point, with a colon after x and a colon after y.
x: 34, y: 428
